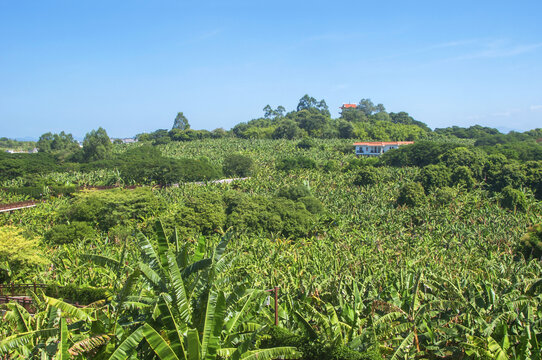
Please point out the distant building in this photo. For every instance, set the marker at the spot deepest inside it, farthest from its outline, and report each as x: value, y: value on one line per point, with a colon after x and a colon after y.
x: 33, y: 151
x: 377, y: 148
x: 125, y: 140
x: 349, y: 106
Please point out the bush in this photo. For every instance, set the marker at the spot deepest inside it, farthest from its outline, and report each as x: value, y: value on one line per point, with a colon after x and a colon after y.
x: 367, y: 175
x: 294, y: 192
x: 312, y: 204
x: 462, y: 176
x: 531, y: 243
x: 83, y: 295
x: 411, y: 194
x: 534, y: 177
x: 306, y: 144
x: 69, y: 233
x: 202, y: 214
x: 434, y: 176
x: 258, y: 214
x: 445, y: 195
x: 331, y: 166
x: 312, y: 349
x: 508, y: 175
x: 21, y: 253
x: 237, y: 165
x: 294, y: 163
x: 108, y: 208
x: 474, y: 159
x: 513, y: 199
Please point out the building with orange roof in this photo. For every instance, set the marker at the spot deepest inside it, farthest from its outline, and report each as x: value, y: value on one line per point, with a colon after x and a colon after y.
x: 377, y: 148
x: 349, y: 106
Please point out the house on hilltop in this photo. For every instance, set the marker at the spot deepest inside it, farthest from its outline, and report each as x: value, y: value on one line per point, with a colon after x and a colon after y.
x: 349, y: 106
x: 377, y: 148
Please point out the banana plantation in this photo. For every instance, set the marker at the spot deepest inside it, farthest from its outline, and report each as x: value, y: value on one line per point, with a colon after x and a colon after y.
x: 367, y: 258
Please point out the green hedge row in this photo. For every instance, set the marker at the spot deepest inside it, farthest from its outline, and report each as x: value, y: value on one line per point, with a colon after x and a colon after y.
x: 82, y: 295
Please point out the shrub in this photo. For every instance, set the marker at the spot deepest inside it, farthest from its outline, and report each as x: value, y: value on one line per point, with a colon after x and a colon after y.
x: 237, y: 165
x: 513, y: 199
x: 204, y: 214
x: 462, y: 176
x: 531, y: 243
x: 474, y: 159
x: 294, y: 192
x: 106, y: 209
x: 305, y: 143
x: 534, y: 177
x: 331, y: 166
x: 294, y: 163
x: 508, y: 175
x: 367, y: 175
x: 434, y: 176
x: 411, y: 194
x: 83, y: 295
x: 269, y: 215
x: 68, y: 233
x: 312, y: 349
x: 445, y: 195
x: 312, y: 204
x: 21, y: 253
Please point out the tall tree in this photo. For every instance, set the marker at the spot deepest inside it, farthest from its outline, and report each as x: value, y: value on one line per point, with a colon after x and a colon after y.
x: 181, y: 122
x: 367, y: 106
x: 96, y: 145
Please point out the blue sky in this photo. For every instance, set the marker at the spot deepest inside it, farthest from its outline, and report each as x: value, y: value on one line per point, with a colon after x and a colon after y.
x: 130, y: 66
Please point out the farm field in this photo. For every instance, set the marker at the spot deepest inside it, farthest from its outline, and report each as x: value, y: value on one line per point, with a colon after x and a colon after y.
x: 369, y: 259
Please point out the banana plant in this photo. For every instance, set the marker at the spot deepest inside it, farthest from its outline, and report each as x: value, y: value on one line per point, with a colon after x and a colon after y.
x: 190, y: 316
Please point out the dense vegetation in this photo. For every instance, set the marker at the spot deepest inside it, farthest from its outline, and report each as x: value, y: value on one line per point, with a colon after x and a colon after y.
x: 430, y: 251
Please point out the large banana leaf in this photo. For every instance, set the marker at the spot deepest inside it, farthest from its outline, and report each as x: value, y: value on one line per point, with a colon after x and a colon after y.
x: 160, y: 346
x: 214, y: 319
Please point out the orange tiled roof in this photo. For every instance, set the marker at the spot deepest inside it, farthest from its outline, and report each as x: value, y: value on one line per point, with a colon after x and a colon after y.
x: 384, y: 143
x: 349, y: 106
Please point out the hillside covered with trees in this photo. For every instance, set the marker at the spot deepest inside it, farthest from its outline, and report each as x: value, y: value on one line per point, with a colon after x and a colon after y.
x: 430, y: 251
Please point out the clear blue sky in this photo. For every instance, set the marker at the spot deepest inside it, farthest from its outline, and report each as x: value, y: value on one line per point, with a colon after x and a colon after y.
x: 130, y: 66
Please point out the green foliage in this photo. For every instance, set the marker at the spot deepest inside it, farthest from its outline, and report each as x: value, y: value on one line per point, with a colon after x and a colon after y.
x: 512, y: 175
x: 76, y: 231
x: 15, y: 165
x: 202, y: 214
x: 311, y: 349
x: 530, y: 244
x: 181, y: 122
x: 445, y: 195
x: 294, y: 192
x: 462, y: 176
x: 306, y: 143
x: 295, y: 163
x: 96, y: 145
x: 434, y: 176
x: 237, y: 165
x: 312, y: 204
x: 421, y: 153
x: 41, y: 192
x: 287, y: 129
x: 21, y: 253
x: 473, y: 132
x: 411, y: 194
x: 106, y: 209
x: 462, y: 156
x: 513, y: 199
x: 271, y: 215
x: 11, y: 144
x: 54, y: 143
x: 83, y: 295
x: 367, y: 175
x: 533, y: 177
